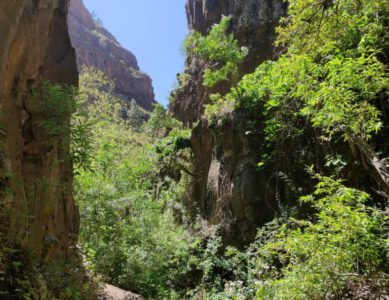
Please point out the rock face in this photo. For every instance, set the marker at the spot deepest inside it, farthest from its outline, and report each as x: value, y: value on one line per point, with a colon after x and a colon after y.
x: 35, y: 46
x: 37, y: 209
x: 253, y: 23
x: 96, y: 47
x: 227, y: 188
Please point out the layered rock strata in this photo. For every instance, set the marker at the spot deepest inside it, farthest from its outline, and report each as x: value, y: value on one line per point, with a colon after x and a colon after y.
x: 98, y: 48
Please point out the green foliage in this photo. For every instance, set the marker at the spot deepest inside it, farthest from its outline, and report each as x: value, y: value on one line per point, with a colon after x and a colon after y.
x: 134, y: 72
x: 135, y: 116
x: 220, y: 109
x: 129, y: 204
x: 128, y: 231
x: 174, y: 150
x: 67, y: 280
x: 326, y: 84
x: 14, y: 273
x: 182, y: 82
x: 22, y: 278
x: 103, y: 39
x: 95, y: 87
x: 220, y: 49
x: 58, y: 105
x: 343, y: 100
x: 314, y: 27
x: 331, y: 67
x: 223, y: 56
x: 343, y: 243
x: 161, y: 122
x: 324, y: 88
x: 81, y: 143
x: 98, y: 22
x: 329, y: 79
x: 335, y: 95
x: 209, y: 271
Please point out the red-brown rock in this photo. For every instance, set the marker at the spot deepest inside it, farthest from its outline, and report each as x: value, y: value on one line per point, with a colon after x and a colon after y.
x: 38, y: 215
x: 39, y: 202
x: 96, y: 47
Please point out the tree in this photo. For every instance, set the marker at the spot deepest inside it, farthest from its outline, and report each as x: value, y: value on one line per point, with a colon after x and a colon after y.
x: 135, y: 116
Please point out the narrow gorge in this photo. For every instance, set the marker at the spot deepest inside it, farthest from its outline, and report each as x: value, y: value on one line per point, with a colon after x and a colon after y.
x: 266, y: 176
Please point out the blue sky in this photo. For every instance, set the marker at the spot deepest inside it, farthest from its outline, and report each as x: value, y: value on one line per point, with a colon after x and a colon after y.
x: 151, y: 29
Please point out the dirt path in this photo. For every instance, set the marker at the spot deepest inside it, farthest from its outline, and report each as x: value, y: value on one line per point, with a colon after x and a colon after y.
x: 113, y: 293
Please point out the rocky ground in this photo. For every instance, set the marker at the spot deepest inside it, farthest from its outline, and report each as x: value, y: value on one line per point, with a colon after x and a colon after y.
x: 113, y: 293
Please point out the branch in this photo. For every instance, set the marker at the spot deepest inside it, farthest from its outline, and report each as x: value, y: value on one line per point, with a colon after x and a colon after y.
x: 372, y: 163
x: 185, y: 169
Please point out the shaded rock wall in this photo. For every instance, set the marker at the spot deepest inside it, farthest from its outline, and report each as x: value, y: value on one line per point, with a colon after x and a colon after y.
x: 227, y: 187
x: 96, y: 47
x: 36, y: 202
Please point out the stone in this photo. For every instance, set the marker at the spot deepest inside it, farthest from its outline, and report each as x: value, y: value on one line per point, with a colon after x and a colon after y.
x: 113, y: 293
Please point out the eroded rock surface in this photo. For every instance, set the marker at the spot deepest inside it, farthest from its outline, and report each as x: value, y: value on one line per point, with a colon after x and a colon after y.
x: 227, y: 187
x: 96, y: 47
x: 37, y: 208
x: 39, y: 196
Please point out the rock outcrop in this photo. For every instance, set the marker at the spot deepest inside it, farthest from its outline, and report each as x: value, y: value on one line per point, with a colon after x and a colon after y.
x: 37, y: 210
x: 227, y: 188
x: 96, y: 47
x: 113, y: 293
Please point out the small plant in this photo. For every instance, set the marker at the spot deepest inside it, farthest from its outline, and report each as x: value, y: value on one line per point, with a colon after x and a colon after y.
x: 59, y: 105
x: 220, y: 109
x: 220, y: 49
x: 182, y: 81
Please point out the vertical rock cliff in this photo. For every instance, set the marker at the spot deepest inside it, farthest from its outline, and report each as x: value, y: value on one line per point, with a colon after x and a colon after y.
x: 227, y: 188
x: 37, y: 209
x: 96, y: 47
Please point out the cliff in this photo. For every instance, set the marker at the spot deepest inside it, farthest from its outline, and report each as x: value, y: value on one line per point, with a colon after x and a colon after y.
x: 227, y: 189
x: 39, y: 220
x: 96, y: 47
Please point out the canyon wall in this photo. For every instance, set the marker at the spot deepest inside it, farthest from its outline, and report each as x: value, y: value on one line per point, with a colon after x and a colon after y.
x: 227, y: 188
x: 38, y: 215
x: 96, y: 47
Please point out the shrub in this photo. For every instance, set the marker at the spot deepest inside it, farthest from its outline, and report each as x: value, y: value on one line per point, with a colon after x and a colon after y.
x: 316, y: 258
x: 58, y: 104
x: 220, y: 49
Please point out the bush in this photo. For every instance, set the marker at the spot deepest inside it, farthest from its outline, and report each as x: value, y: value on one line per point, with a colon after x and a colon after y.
x: 59, y: 104
x: 220, y: 49
x: 317, y: 258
